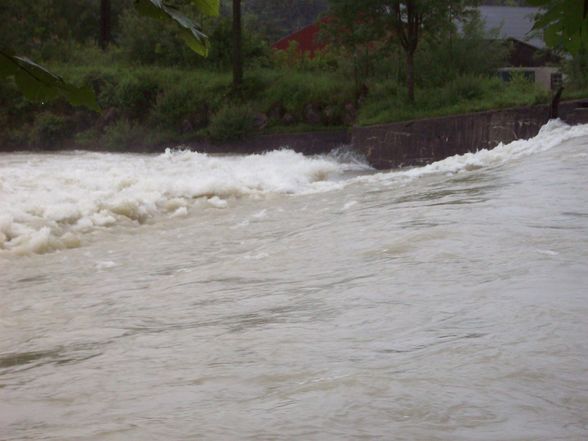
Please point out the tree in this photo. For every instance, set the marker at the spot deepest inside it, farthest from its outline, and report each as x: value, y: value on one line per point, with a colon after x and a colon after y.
x: 237, y: 46
x: 564, y: 23
x: 406, y: 23
x: 189, y: 31
x: 354, y: 29
x: 39, y: 84
x: 403, y: 23
x: 408, y: 20
x: 105, y: 23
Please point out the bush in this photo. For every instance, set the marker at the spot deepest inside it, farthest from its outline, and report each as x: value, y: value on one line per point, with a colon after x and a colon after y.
x: 465, y: 88
x: 464, y: 94
x: 123, y: 135
x: 232, y: 122
x: 136, y: 95
x: 145, y: 42
x: 471, y: 52
x: 49, y: 130
x: 177, y: 106
x: 87, y: 138
x: 576, y: 70
x: 294, y: 90
x: 189, y: 99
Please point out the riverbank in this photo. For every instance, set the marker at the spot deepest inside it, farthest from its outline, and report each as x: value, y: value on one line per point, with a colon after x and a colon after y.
x: 421, y: 142
x: 151, y: 108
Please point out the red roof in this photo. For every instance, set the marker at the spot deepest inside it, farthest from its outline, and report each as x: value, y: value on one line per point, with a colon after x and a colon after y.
x: 307, y: 38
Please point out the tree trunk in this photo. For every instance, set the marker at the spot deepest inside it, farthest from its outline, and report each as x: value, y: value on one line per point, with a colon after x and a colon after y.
x: 410, y: 75
x: 237, y: 49
x: 105, y: 24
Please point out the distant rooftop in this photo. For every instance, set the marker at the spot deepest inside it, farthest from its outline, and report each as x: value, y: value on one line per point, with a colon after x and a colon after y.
x: 512, y: 22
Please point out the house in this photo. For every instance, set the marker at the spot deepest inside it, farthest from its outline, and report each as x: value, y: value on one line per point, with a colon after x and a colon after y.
x: 514, y: 26
x: 306, y: 39
x: 528, y: 53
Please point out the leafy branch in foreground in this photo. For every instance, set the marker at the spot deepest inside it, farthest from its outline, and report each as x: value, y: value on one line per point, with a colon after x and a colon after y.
x: 189, y: 31
x: 564, y: 23
x: 39, y: 84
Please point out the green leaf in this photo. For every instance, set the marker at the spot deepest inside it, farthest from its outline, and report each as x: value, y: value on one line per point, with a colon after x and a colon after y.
x: 564, y: 23
x: 189, y: 31
x: 7, y: 66
x: 552, y: 36
x: 208, y: 7
x: 548, y: 17
x: 39, y: 84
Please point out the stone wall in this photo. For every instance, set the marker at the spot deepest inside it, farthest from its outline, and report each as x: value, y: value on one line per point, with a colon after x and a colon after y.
x: 420, y: 142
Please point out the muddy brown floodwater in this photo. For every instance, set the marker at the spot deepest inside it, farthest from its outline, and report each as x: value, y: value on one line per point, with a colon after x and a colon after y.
x: 281, y: 297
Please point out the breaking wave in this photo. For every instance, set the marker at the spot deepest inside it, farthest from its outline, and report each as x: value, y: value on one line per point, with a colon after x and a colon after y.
x: 49, y: 202
x: 552, y: 134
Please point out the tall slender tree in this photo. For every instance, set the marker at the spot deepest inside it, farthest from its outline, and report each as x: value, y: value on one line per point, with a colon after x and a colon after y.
x: 400, y: 22
x: 407, y: 20
x: 237, y: 46
x: 105, y: 23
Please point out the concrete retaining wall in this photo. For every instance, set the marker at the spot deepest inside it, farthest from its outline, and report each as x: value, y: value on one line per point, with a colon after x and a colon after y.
x: 420, y: 142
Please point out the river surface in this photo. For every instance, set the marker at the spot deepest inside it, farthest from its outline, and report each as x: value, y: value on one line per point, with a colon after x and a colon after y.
x: 282, y: 297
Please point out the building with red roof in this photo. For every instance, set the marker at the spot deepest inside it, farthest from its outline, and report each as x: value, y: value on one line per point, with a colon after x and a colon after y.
x: 306, y: 39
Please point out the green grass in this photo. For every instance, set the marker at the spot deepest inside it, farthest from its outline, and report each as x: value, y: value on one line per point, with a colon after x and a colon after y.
x: 155, y: 105
x: 463, y: 95
x: 575, y: 94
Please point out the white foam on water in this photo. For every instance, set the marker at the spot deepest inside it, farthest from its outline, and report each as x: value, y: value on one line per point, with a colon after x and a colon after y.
x: 48, y: 202
x: 551, y: 135
x: 349, y: 204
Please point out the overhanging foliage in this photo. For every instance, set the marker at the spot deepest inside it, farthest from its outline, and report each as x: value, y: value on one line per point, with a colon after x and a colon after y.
x: 38, y: 84
x: 189, y: 31
x: 564, y: 23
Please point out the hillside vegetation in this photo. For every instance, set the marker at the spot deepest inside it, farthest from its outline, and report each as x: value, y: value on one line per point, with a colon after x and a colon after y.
x: 154, y: 91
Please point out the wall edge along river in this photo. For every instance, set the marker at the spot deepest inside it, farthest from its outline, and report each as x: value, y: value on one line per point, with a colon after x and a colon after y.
x: 423, y: 141
x: 400, y: 144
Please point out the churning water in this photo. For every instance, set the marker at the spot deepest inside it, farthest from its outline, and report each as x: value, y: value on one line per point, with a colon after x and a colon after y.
x: 192, y: 297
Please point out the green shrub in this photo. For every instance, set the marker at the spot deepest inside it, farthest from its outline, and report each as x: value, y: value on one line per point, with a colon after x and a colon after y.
x: 577, y: 72
x: 87, y: 138
x: 104, y: 85
x: 465, y: 88
x: 294, y: 90
x: 123, y: 135
x: 190, y: 98
x: 177, y: 105
x: 386, y: 88
x: 14, y: 105
x: 49, y: 130
x: 232, y: 122
x: 145, y: 42
x: 136, y: 95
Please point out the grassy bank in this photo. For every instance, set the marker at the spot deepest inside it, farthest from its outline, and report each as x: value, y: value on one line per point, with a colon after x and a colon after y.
x: 151, y: 106
x: 155, y: 105
x: 153, y: 90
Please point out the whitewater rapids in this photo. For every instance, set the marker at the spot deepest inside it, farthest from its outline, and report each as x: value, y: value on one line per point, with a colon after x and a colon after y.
x: 186, y: 296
